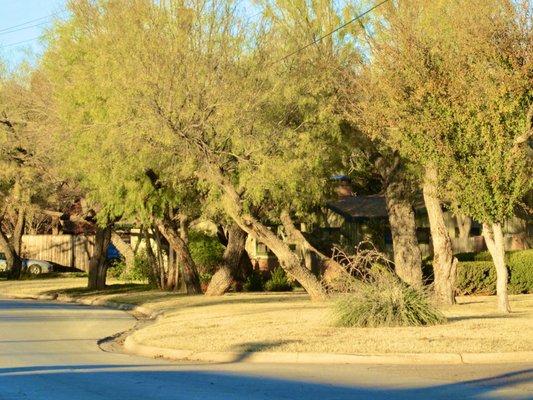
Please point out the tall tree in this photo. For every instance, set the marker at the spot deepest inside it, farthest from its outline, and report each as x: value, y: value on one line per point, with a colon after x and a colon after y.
x: 25, y: 182
x: 493, y: 107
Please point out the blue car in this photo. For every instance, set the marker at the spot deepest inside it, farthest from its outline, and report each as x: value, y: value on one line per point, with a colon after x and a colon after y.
x: 34, y: 267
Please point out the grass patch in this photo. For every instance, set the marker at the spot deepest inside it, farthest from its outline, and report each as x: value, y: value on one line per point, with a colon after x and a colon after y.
x: 289, y: 322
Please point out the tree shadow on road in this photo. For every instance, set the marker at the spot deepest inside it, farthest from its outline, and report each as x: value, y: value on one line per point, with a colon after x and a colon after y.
x: 182, y: 382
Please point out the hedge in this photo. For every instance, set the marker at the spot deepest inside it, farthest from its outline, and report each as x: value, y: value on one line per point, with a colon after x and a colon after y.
x: 477, y: 275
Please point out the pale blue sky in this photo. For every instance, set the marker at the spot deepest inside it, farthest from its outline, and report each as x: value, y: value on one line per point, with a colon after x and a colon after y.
x: 21, y: 23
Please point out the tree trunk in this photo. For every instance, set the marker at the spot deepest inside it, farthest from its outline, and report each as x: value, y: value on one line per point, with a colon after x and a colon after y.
x: 235, y: 249
x: 13, y: 260
x: 288, y: 260
x: 12, y: 247
x: 444, y: 264
x: 97, y: 263
x: 464, y: 223
x: 407, y: 256
x: 18, y: 231
x: 125, y: 250
x: 158, y: 271
x: 191, y: 277
x: 493, y: 235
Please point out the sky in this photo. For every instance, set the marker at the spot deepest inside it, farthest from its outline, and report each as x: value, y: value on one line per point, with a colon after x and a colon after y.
x: 22, y: 22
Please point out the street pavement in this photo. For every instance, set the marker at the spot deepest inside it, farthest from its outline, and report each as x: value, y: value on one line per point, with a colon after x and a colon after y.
x: 49, y: 351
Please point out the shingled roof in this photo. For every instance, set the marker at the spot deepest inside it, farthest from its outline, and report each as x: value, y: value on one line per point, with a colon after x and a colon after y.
x: 359, y: 207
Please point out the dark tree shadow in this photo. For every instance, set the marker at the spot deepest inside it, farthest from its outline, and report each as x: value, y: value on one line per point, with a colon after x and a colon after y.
x: 87, y: 382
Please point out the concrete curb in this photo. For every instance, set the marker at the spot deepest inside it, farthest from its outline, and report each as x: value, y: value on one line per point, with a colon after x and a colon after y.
x: 145, y: 312
x: 133, y: 347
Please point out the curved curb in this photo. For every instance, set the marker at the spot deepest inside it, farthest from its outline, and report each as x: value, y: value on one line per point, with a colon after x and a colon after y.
x: 145, y: 312
x: 133, y: 347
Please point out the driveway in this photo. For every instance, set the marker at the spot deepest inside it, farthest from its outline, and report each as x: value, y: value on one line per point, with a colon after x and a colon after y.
x: 49, y: 351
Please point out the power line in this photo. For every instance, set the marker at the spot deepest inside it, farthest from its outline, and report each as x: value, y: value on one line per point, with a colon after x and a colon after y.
x: 30, y: 21
x: 26, y: 27
x: 21, y: 42
x: 331, y: 33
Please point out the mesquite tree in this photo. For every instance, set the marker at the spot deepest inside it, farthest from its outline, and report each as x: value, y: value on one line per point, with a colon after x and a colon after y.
x: 25, y: 179
x: 493, y: 108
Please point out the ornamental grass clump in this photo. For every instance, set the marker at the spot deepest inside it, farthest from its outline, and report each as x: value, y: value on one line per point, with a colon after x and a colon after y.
x: 378, y: 297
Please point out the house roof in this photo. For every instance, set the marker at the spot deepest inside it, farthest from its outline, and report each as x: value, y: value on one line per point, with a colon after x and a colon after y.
x: 357, y: 207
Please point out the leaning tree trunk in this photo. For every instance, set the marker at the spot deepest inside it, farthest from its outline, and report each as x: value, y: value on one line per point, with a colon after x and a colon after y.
x: 288, y: 260
x: 407, y: 255
x: 97, y: 263
x: 12, y: 247
x: 493, y: 235
x: 444, y: 263
x: 13, y: 260
x: 191, y: 277
x: 235, y: 249
x: 125, y: 250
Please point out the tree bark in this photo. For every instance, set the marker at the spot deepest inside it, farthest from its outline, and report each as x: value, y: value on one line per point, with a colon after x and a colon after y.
x: 493, y: 235
x: 191, y: 277
x: 13, y: 260
x: 125, y: 250
x: 407, y: 255
x: 12, y: 247
x: 235, y: 249
x: 97, y: 263
x: 288, y: 260
x: 464, y: 223
x: 444, y: 264
x: 18, y: 231
x: 158, y: 271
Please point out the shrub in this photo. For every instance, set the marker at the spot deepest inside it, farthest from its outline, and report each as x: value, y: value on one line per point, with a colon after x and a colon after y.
x: 254, y: 282
x: 521, y: 271
x: 116, y: 269
x: 476, y: 273
x: 481, y: 256
x: 384, y: 300
x: 206, y: 251
x: 476, y: 277
x: 141, y: 270
x: 278, y: 281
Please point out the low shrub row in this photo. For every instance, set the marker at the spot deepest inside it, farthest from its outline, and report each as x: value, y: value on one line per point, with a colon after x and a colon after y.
x: 476, y: 273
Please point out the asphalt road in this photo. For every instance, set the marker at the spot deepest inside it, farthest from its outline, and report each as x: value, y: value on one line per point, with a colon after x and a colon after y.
x: 49, y: 351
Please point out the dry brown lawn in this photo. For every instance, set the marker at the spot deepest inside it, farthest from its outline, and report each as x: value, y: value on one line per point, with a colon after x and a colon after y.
x: 291, y: 323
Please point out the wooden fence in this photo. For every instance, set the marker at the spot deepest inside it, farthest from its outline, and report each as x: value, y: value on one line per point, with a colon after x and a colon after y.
x: 67, y: 250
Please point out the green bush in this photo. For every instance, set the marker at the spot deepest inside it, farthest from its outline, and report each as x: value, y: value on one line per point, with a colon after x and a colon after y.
x: 481, y: 256
x: 479, y: 277
x: 476, y: 277
x: 254, y: 282
x: 385, y: 300
x: 116, y: 269
x: 206, y: 251
x: 278, y: 281
x: 141, y: 271
x: 521, y: 271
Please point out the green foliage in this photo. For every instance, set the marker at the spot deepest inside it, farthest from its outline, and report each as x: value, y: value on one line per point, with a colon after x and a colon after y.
x: 254, y: 282
x: 141, y: 271
x: 278, y: 281
x: 385, y: 301
x: 477, y: 275
x: 206, y: 251
x: 521, y: 271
